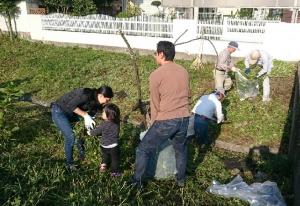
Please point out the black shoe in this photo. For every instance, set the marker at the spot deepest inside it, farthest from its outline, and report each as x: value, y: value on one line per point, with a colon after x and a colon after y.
x: 72, y: 168
x: 135, y: 183
x: 180, y: 183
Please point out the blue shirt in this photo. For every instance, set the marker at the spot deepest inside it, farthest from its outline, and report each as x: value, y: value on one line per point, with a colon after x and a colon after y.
x: 209, y: 106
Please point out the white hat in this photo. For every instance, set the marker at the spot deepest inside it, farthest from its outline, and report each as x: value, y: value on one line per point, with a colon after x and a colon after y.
x: 254, y: 56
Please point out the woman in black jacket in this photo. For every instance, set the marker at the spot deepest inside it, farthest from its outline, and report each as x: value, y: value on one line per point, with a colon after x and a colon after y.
x: 83, y: 102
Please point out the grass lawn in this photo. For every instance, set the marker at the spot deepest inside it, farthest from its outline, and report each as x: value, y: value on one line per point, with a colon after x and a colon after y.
x: 32, y: 160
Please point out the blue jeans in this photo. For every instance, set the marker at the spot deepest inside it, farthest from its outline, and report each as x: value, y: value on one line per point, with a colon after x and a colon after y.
x: 161, y: 131
x: 64, y: 123
x: 201, y: 129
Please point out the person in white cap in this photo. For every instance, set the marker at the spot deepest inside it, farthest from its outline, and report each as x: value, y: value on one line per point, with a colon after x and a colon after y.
x: 264, y: 60
x: 224, y: 65
x: 207, y: 108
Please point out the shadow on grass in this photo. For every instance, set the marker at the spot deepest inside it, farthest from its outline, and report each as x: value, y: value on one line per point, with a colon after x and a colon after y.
x: 30, y: 122
x: 14, y: 83
x: 129, y: 140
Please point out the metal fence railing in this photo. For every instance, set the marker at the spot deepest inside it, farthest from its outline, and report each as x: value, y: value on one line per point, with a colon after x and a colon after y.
x: 140, y: 25
x: 152, y: 26
x: 233, y: 28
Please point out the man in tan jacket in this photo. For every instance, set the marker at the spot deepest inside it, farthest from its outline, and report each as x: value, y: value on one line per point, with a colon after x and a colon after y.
x: 169, y: 100
x: 225, y: 65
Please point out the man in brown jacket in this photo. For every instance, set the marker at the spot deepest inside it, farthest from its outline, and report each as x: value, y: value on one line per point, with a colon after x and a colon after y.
x: 224, y: 66
x: 169, y: 92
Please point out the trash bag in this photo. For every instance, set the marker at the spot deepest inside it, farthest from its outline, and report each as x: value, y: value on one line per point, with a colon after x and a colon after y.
x: 191, y: 131
x: 257, y: 194
x: 164, y: 163
x: 246, y: 87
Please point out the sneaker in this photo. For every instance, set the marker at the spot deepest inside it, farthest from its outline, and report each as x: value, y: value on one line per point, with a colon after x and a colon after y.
x: 115, y: 174
x: 203, y: 146
x: 180, y: 183
x: 135, y: 183
x: 72, y: 168
x: 102, y: 167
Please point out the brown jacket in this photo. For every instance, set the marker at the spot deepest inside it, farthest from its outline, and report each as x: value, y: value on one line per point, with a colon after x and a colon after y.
x: 169, y: 92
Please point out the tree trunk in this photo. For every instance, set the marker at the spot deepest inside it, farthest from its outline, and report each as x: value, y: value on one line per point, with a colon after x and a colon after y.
x: 11, y: 32
x: 16, y: 31
x: 139, y: 104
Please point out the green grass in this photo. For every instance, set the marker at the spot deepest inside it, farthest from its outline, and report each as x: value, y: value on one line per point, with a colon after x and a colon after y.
x: 32, y: 159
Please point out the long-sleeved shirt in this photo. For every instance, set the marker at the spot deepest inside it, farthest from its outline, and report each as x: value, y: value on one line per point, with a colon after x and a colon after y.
x: 224, y: 61
x: 209, y: 106
x: 265, y: 60
x: 109, y: 132
x: 83, y: 98
x: 169, y: 92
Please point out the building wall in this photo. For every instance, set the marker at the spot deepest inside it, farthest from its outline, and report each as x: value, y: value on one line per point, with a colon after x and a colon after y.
x: 147, y: 7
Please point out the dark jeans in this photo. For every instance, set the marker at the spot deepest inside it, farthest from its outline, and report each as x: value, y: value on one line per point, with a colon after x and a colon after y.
x: 201, y: 129
x: 64, y: 123
x: 161, y: 131
x: 112, y: 156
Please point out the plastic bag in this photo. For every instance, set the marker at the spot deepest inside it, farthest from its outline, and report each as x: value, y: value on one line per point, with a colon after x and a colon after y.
x: 165, y: 164
x: 246, y: 88
x: 257, y: 194
x: 191, y: 131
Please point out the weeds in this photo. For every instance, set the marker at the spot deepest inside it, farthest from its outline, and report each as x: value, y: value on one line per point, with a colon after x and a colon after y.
x: 32, y: 159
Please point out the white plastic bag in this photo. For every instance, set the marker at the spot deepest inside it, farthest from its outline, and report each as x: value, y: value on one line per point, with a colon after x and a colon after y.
x: 166, y: 163
x: 257, y: 194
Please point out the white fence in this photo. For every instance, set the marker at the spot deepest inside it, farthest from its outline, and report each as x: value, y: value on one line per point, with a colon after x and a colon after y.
x: 142, y: 25
x: 238, y: 29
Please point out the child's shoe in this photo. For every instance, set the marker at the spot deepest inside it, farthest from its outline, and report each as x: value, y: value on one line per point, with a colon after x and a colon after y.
x: 102, y: 168
x: 115, y: 174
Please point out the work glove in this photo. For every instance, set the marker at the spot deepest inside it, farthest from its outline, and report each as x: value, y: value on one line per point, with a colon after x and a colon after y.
x: 247, y: 71
x: 88, y: 122
x: 234, y: 69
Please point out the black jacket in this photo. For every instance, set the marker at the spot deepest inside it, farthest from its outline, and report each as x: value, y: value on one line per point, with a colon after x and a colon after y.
x: 109, y: 132
x: 83, y: 98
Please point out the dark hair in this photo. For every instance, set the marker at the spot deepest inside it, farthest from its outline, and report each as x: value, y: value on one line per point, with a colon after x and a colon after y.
x: 112, y: 112
x: 106, y: 91
x: 167, y: 48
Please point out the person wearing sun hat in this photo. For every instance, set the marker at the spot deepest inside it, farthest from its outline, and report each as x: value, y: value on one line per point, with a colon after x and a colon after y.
x: 265, y: 61
x: 225, y: 65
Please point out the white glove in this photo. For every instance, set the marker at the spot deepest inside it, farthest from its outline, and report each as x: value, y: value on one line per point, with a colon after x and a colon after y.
x: 88, y: 122
x: 234, y: 69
